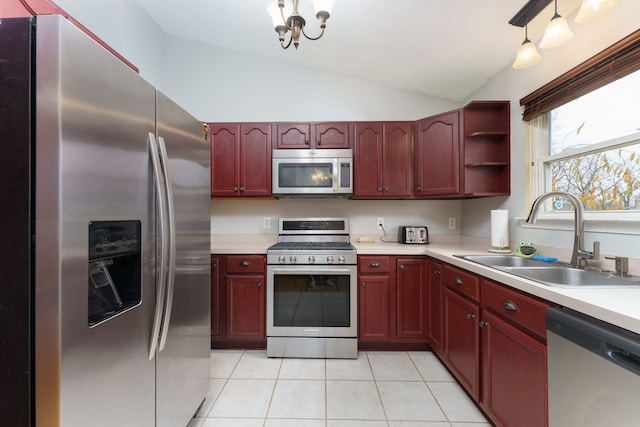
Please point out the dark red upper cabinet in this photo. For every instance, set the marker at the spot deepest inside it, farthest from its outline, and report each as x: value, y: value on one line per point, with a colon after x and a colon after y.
x: 383, y: 154
x: 240, y: 159
x: 437, y: 160
x: 331, y: 135
x: 321, y: 135
x: 292, y: 135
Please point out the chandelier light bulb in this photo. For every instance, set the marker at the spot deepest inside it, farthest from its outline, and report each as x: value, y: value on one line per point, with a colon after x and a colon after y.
x: 323, y: 6
x: 590, y: 10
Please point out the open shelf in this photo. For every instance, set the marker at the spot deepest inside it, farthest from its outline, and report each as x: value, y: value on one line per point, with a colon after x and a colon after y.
x: 486, y: 149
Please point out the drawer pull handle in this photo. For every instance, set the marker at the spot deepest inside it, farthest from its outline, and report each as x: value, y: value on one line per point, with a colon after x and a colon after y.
x: 374, y: 264
x: 458, y: 281
x: 245, y: 263
x: 471, y: 316
x: 510, y: 305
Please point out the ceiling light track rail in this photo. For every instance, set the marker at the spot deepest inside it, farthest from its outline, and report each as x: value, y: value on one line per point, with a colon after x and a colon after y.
x: 557, y: 31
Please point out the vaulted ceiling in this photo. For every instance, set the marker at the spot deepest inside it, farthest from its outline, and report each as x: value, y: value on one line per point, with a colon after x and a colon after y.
x: 442, y: 48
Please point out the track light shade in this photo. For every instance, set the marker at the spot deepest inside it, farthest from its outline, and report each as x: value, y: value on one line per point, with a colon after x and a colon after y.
x: 590, y: 10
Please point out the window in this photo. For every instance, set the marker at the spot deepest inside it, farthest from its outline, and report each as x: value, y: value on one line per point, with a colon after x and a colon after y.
x: 593, y: 148
x: 585, y: 132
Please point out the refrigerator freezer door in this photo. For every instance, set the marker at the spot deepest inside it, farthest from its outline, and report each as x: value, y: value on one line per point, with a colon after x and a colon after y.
x: 93, y: 117
x: 183, y: 359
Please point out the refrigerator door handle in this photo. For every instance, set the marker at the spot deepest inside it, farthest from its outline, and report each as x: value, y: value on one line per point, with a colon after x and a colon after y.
x: 164, y: 245
x: 164, y: 159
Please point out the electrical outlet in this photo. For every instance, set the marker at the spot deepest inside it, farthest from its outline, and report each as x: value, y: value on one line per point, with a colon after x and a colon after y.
x: 266, y: 222
x: 380, y: 223
x: 452, y: 223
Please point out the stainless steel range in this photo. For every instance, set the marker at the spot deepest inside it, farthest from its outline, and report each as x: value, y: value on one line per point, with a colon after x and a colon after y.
x: 312, y: 290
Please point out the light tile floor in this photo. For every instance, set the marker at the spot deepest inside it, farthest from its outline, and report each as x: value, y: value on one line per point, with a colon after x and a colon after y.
x: 379, y: 389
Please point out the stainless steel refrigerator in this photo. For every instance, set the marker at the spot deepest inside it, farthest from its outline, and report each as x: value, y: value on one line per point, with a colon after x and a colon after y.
x: 105, y: 296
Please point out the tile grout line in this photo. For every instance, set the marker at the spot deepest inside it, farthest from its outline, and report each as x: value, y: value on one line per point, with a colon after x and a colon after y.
x: 426, y: 383
x: 375, y: 381
x: 273, y: 393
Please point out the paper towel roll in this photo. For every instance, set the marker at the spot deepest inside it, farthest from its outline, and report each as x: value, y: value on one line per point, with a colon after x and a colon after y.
x: 500, y: 228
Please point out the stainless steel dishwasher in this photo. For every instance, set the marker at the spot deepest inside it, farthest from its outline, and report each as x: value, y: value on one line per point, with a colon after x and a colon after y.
x: 593, y: 372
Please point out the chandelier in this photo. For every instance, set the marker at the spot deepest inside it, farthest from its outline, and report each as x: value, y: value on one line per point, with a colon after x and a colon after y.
x: 286, y: 18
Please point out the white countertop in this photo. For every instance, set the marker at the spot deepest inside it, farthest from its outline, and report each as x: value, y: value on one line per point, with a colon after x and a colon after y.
x: 620, y: 307
x: 246, y: 244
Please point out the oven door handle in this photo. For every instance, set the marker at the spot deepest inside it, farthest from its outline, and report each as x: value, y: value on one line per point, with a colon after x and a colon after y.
x: 311, y: 271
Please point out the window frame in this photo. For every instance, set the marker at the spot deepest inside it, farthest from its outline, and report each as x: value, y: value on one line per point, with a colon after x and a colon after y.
x: 617, y: 61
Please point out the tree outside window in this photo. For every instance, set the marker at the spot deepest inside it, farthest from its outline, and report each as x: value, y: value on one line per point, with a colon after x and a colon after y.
x: 594, y: 148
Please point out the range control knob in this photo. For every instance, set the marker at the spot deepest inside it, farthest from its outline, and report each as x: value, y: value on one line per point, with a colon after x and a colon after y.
x: 293, y: 259
x: 282, y: 259
x: 329, y: 259
x: 312, y: 259
x: 341, y: 259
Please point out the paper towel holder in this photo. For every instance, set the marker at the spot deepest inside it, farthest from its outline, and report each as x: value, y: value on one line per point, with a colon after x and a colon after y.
x: 500, y: 232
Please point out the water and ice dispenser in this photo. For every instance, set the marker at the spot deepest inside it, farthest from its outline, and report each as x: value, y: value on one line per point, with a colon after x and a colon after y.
x: 115, y: 268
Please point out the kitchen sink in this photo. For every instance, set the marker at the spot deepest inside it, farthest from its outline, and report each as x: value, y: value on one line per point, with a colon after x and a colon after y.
x: 569, y: 277
x: 553, y: 274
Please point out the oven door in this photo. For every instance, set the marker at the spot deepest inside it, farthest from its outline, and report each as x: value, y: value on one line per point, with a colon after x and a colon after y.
x: 312, y: 301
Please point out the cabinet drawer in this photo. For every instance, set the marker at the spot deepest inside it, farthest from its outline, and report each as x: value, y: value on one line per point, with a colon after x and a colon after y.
x: 463, y: 282
x: 245, y: 263
x: 520, y: 309
x: 373, y: 264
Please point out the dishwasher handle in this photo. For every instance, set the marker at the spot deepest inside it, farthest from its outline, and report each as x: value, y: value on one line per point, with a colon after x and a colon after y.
x: 610, y: 342
x: 629, y: 361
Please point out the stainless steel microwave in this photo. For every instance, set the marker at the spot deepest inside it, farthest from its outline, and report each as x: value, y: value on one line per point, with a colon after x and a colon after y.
x: 313, y: 172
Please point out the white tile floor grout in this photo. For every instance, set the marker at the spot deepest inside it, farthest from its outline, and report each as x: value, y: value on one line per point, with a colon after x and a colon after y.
x: 379, y: 389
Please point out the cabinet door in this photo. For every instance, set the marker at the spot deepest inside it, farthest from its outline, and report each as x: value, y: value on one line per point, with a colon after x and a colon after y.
x: 373, y: 308
x: 215, y: 297
x: 245, y: 306
x: 436, y: 303
x: 367, y: 160
x: 397, y: 159
x: 411, y: 298
x: 293, y: 135
x: 462, y: 340
x: 255, y: 160
x: 437, y: 163
x: 225, y: 159
x: 514, y: 375
x: 331, y: 135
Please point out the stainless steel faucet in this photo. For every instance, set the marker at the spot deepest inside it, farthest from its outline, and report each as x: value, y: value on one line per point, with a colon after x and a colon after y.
x: 579, y: 256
